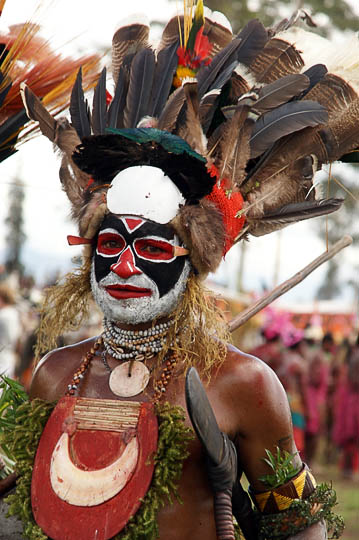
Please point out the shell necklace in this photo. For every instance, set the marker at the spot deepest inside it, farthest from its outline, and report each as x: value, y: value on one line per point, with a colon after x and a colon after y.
x: 131, y: 348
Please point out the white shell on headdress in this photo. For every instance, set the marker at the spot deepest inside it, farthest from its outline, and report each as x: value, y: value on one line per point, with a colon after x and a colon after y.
x: 144, y: 191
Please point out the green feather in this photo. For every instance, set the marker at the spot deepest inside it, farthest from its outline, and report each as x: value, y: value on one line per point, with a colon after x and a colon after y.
x: 172, y: 143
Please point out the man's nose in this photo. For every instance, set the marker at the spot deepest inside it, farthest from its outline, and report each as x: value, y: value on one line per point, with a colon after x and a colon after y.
x: 125, y: 266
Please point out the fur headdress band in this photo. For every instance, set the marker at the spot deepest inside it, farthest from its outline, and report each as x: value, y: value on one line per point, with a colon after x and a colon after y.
x: 239, y: 125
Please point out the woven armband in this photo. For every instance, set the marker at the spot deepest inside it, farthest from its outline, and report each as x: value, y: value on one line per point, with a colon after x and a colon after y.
x: 281, y: 498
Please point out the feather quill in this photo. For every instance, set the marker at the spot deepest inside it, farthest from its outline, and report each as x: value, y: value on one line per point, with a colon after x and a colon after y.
x: 79, y: 110
x: 139, y: 90
x: 99, y: 106
x: 285, y: 120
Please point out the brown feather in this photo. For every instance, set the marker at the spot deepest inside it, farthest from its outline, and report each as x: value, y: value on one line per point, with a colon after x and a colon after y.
x: 277, y: 59
x: 36, y: 111
x: 191, y: 131
x: 168, y: 118
x: 201, y: 228
x: 170, y: 32
x: 334, y: 93
x: 127, y: 40
x: 218, y: 35
x: 67, y: 140
x: 230, y: 165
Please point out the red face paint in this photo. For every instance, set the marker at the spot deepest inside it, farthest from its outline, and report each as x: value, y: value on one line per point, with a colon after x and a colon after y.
x: 153, y: 249
x: 110, y: 244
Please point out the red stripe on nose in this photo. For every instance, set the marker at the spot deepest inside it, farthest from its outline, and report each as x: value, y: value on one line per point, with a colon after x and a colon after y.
x: 125, y: 266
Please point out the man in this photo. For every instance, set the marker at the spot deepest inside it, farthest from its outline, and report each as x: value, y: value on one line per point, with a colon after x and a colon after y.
x: 161, y: 191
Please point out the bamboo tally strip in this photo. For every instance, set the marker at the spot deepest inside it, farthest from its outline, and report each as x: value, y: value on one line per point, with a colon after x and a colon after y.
x: 106, y: 415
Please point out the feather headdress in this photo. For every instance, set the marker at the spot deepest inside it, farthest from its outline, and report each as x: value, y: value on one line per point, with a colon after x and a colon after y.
x: 240, y: 124
x: 25, y: 57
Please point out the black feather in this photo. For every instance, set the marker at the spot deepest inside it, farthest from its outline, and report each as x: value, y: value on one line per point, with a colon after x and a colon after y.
x: 224, y: 76
x: 9, y: 131
x: 169, y: 116
x: 284, y: 120
x: 303, y: 210
x: 79, y: 111
x: 292, y: 213
x: 99, y: 105
x: 207, y: 108
x: 315, y: 74
x: 208, y: 74
x: 166, y: 65
x: 139, y: 90
x: 4, y: 91
x: 279, y: 92
x: 253, y: 38
x: 117, y: 105
x: 104, y: 156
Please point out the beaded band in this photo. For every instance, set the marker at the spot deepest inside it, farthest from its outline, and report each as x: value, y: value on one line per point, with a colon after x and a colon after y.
x: 134, y: 344
x: 281, y: 498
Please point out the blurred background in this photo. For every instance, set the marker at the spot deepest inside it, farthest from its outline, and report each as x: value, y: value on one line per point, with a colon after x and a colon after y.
x: 309, y: 336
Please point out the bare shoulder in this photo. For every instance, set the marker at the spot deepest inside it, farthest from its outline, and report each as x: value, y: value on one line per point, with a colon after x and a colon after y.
x: 248, y: 372
x: 55, y: 370
x: 247, y: 383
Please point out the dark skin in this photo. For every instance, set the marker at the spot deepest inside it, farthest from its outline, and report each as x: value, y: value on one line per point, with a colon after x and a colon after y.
x: 247, y: 398
x: 250, y: 406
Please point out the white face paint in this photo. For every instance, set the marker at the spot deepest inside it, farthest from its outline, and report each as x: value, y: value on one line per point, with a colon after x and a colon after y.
x: 137, y: 310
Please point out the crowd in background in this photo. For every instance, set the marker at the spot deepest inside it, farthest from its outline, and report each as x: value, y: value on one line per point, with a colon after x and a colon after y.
x: 321, y: 377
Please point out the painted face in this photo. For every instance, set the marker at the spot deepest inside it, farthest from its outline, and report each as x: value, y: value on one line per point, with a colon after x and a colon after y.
x: 135, y: 275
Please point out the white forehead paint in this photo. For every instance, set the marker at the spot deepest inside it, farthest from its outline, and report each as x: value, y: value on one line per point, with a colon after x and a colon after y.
x: 144, y: 191
x: 137, y: 310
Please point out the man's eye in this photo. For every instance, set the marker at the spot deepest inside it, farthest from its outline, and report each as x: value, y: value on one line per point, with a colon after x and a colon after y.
x: 152, y: 249
x: 111, y: 244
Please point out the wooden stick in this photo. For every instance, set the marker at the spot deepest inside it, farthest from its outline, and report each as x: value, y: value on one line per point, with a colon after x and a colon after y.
x: 284, y: 287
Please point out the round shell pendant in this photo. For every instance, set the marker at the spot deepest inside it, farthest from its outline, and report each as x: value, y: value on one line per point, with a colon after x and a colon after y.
x: 127, y: 381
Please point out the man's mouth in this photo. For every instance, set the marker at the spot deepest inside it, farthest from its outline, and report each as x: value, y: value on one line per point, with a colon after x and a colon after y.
x: 121, y: 292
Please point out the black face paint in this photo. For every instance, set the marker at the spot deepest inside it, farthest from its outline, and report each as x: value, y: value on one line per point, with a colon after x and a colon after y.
x: 145, y: 247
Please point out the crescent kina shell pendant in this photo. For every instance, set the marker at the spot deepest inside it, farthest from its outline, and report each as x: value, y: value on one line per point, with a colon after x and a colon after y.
x: 128, y: 380
x: 113, y: 438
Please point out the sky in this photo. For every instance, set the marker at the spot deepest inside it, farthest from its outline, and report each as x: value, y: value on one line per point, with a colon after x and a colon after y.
x: 46, y: 208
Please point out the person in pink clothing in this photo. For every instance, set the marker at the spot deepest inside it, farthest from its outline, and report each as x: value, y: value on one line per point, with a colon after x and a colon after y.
x: 316, y: 395
x: 346, y: 414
